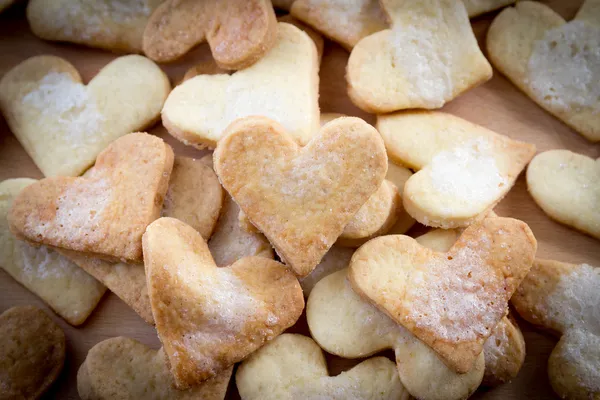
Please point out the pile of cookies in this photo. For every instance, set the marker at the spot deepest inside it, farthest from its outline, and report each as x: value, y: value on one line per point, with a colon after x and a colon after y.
x: 297, y: 212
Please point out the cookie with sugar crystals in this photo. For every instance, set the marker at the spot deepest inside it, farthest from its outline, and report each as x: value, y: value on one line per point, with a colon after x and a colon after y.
x: 63, y: 124
x: 427, y: 58
x: 566, y: 186
x: 555, y: 62
x: 293, y: 367
x: 565, y: 299
x: 463, y: 169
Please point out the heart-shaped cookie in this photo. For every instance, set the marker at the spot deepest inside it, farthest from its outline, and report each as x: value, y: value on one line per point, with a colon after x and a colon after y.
x: 109, y: 24
x: 429, y: 57
x: 62, y: 124
x: 283, y: 85
x: 123, y: 368
x: 553, y: 61
x: 209, y: 318
x: 105, y: 213
x: 293, y: 367
x: 451, y: 301
x: 565, y: 299
x: 239, y: 32
x: 300, y: 198
x: 566, y: 186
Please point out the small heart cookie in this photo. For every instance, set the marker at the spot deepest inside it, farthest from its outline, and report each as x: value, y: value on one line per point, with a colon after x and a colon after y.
x: 451, y: 301
x: 32, y: 353
x: 123, y: 368
x: 239, y: 32
x: 429, y: 57
x: 566, y: 186
x: 105, y: 213
x: 209, y: 318
x: 565, y: 298
x: 293, y: 367
x: 283, y: 85
x: 553, y: 61
x: 69, y: 291
x: 464, y: 169
x: 300, y: 198
x: 114, y: 25
x: 63, y: 124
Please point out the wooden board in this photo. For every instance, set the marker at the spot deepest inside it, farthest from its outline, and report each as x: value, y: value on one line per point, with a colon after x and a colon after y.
x: 497, y: 105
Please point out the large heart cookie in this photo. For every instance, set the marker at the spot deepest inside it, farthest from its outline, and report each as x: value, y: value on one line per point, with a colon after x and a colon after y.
x: 554, y: 62
x: 69, y: 291
x: 239, y: 32
x: 109, y: 24
x: 105, y: 213
x: 300, y: 198
x: 283, y: 86
x: 32, y: 353
x: 122, y: 368
x: 451, y: 301
x: 464, y: 169
x: 209, y: 318
x: 565, y: 298
x: 429, y: 57
x: 293, y: 367
x: 62, y: 124
x: 566, y: 186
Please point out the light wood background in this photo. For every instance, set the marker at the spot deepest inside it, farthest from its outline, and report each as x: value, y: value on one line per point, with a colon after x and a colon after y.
x: 498, y: 105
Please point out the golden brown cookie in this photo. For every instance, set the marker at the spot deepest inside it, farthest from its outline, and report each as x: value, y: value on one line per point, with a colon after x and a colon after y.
x: 239, y: 32
x: 105, y: 213
x: 32, y: 352
x: 300, y: 198
x: 209, y: 318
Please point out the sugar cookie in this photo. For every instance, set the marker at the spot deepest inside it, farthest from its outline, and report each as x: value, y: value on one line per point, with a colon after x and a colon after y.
x: 293, y: 367
x: 565, y: 298
x: 566, y: 186
x: 553, y: 61
x: 32, y: 352
x: 64, y: 125
x: 300, y: 198
x: 451, y: 301
x: 465, y: 169
x: 398, y: 175
x: 109, y: 24
x: 239, y: 33
x: 314, y: 35
x: 105, y: 213
x: 428, y: 57
x: 209, y: 318
x: 68, y: 290
x: 123, y: 368
x: 283, y: 85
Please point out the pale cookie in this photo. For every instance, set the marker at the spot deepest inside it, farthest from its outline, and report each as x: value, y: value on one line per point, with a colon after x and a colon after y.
x: 553, y: 61
x: 566, y: 186
x: 283, y: 85
x: 293, y: 367
x: 239, y: 33
x: 344, y: 324
x: 565, y: 298
x: 337, y: 258
x: 314, y: 35
x: 398, y: 175
x: 464, y: 169
x: 504, y: 353
x: 63, y: 124
x: 209, y: 318
x: 32, y: 353
x: 105, y: 213
x: 451, y: 301
x: 68, y: 290
x: 375, y: 218
x: 301, y: 198
x: 125, y: 369
x: 428, y: 57
x: 114, y: 25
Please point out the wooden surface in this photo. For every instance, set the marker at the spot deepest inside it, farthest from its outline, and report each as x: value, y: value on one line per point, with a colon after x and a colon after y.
x: 497, y: 105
